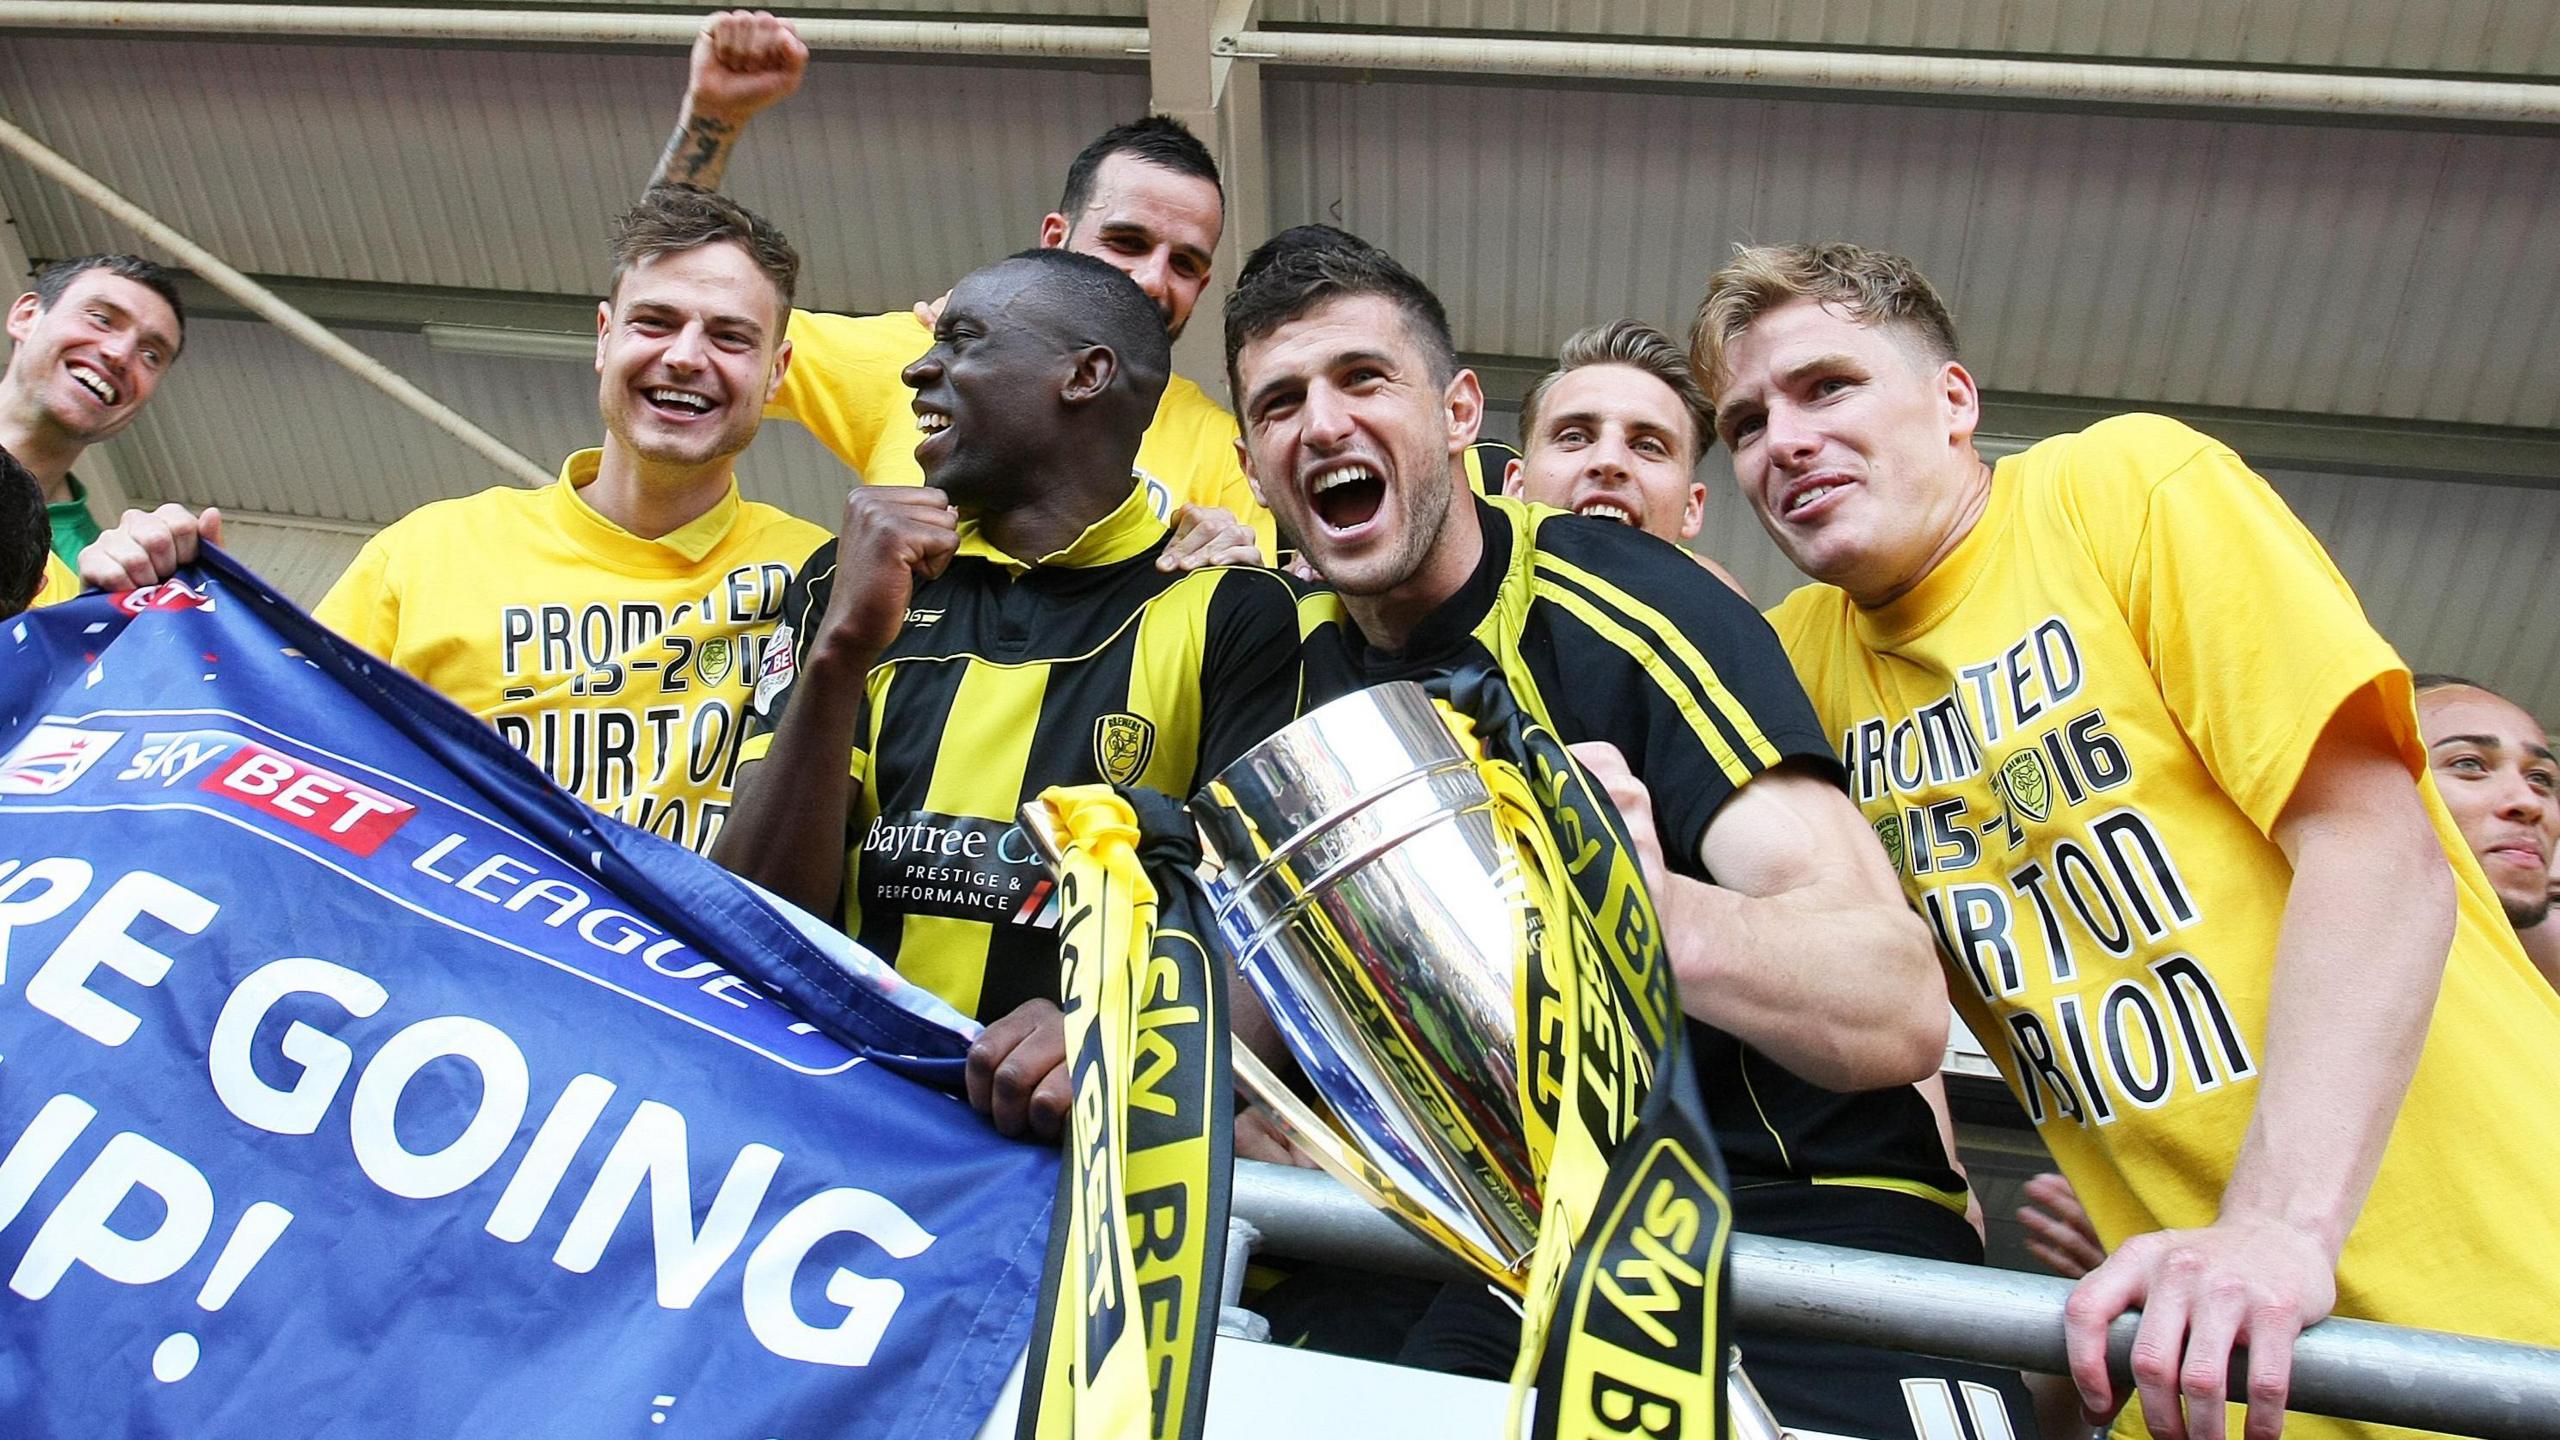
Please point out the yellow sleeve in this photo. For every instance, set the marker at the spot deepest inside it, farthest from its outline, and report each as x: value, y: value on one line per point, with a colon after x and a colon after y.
x: 2253, y: 636
x: 1211, y: 473
x: 58, y: 585
x: 364, y: 606
x: 843, y: 382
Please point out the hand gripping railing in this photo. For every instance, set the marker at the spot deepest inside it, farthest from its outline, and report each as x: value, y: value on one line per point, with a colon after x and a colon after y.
x: 2350, y: 1369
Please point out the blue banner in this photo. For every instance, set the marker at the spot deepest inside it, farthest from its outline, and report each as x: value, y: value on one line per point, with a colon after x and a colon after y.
x: 355, y: 1081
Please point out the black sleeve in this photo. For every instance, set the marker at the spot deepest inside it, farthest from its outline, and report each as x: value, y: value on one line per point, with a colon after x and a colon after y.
x: 1250, y: 673
x: 804, y: 604
x: 1658, y: 657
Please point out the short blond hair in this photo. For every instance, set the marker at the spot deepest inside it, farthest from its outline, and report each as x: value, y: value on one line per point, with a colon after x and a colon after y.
x: 1639, y: 347
x: 1874, y: 287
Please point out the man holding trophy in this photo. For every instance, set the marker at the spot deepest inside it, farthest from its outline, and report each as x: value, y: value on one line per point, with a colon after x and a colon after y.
x: 1809, y: 988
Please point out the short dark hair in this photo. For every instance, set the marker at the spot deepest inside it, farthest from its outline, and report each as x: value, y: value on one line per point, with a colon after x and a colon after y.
x: 2426, y: 680
x: 1307, y: 265
x: 1111, y: 310
x: 672, y: 219
x: 1639, y: 347
x: 1158, y: 140
x: 25, y: 535
x: 157, y: 278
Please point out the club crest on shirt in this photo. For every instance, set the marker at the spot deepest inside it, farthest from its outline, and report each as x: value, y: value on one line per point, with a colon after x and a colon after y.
x: 1122, y: 745
x: 717, y: 655
x: 2022, y: 779
x: 1889, y: 830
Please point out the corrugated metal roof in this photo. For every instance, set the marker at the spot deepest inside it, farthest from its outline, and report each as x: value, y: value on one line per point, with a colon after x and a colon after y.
x: 2365, y: 271
x: 2461, y: 578
x: 500, y: 170
x: 300, y: 560
x: 2471, y: 36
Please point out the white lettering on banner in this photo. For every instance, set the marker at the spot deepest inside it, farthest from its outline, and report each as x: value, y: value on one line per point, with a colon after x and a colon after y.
x: 59, y: 986
x: 65, y: 880
x: 649, y: 1151
x: 502, y: 880
x: 77, y: 1231
x: 868, y: 1303
x: 504, y: 1087
x: 324, y: 1058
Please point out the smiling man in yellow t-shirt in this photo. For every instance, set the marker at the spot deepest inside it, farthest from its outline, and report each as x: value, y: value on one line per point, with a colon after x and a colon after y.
x: 2158, y: 786
x: 1143, y: 198
x: 610, y: 626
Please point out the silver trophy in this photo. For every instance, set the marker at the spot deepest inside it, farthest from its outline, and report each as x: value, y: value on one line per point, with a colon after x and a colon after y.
x: 1363, y: 887
x: 1361, y: 884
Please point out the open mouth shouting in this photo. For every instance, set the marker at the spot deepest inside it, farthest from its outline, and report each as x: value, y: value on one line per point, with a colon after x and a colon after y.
x: 1346, y: 495
x: 677, y: 403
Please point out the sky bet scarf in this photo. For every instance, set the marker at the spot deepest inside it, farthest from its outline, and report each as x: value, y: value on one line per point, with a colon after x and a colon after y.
x: 1129, y: 1309
x: 355, y: 1081
x: 1622, y: 1329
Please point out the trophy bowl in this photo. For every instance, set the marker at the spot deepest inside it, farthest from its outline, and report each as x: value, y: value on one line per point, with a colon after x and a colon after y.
x: 1365, y: 891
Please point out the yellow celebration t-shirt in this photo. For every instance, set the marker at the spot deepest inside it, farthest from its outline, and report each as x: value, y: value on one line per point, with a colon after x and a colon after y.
x: 59, y: 584
x: 622, y: 666
x: 2074, y: 737
x: 844, y: 385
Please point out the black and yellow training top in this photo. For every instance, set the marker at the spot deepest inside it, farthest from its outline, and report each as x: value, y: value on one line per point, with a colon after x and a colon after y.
x: 1606, y: 633
x: 1011, y: 676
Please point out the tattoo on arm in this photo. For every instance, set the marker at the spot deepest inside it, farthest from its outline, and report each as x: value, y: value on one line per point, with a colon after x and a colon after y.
x: 697, y: 154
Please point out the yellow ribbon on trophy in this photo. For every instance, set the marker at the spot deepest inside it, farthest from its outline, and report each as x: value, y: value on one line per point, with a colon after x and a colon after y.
x: 1129, y: 1306
x: 1622, y: 1309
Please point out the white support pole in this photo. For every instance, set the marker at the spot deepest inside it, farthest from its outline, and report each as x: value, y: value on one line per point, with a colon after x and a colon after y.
x: 264, y: 302
x: 565, y: 27
x: 2519, y: 102
x: 1221, y: 102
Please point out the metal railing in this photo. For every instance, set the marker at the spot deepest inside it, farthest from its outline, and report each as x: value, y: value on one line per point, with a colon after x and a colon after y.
x: 2350, y: 1369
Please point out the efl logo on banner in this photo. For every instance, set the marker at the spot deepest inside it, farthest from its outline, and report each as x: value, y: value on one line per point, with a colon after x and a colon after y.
x: 169, y: 595
x: 51, y: 757
x: 348, y: 815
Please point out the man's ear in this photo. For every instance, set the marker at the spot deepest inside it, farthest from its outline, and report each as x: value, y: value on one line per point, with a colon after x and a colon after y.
x: 22, y: 315
x: 604, y: 322
x: 1512, y: 484
x: 1463, y: 405
x: 781, y: 367
x: 1053, y: 231
x: 1244, y: 462
x: 1960, y: 403
x: 1693, y: 514
x: 1095, y: 368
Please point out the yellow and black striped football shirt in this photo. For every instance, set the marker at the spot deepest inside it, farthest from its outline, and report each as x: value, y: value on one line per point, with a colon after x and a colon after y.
x: 1607, y: 633
x: 1011, y: 676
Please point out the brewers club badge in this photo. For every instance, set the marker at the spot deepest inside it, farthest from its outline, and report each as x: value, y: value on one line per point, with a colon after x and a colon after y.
x: 1122, y: 745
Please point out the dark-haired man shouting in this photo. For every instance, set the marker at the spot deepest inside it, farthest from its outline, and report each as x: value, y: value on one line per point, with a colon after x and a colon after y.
x: 964, y: 645
x: 1810, y: 987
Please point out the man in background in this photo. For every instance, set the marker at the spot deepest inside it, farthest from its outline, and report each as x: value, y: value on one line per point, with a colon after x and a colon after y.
x: 1143, y: 198
x: 1615, y: 432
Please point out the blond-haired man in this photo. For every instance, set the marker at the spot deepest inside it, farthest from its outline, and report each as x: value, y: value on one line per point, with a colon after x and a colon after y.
x: 2159, y: 788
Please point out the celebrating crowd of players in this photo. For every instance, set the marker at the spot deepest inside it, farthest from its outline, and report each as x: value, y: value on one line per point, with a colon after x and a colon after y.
x: 2096, y: 742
